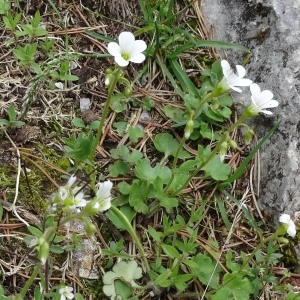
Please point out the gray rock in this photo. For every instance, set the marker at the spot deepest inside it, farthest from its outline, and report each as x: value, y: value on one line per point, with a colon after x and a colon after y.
x: 271, y: 30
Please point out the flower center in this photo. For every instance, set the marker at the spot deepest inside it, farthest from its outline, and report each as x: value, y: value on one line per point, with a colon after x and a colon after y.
x: 125, y: 55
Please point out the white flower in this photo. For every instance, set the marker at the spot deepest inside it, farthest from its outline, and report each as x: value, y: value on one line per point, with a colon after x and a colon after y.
x: 103, y: 195
x: 262, y: 99
x: 127, y: 50
x: 232, y: 80
x: 79, y: 200
x: 66, y: 293
x: 71, y: 180
x: 286, y: 219
x: 63, y: 193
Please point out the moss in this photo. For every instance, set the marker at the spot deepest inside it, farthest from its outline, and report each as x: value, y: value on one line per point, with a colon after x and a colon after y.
x: 35, y: 189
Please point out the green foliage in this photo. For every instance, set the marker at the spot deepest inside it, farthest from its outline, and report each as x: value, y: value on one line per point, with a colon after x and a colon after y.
x: 12, y: 118
x: 63, y: 73
x: 174, y: 177
x: 26, y: 54
x: 4, y: 7
x: 11, y: 21
x: 32, y: 29
x: 79, y: 147
x: 165, y: 143
x: 121, y: 280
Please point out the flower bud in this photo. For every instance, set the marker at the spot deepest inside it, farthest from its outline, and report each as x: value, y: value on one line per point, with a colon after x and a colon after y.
x: 108, y: 79
x: 189, y: 129
x: 249, y: 112
x: 90, y: 228
x: 232, y: 144
x: 109, y: 71
x: 223, y: 150
x: 283, y: 240
x: 248, y: 136
x: 43, y: 249
x: 93, y: 207
x: 282, y: 229
x: 128, y: 91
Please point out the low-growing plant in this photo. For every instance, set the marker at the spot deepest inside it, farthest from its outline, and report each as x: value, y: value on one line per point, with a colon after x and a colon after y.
x: 181, y: 254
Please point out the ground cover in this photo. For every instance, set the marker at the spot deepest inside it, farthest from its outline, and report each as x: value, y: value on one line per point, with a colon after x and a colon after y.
x: 136, y: 181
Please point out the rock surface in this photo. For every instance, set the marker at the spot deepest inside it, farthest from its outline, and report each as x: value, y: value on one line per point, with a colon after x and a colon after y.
x: 271, y: 30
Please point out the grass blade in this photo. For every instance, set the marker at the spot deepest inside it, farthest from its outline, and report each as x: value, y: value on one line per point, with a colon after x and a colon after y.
x: 211, y: 44
x: 242, y: 168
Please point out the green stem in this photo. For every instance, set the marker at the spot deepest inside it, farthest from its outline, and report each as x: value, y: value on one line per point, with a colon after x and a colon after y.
x: 212, y: 154
x: 29, y: 281
x: 132, y: 232
x: 249, y: 258
x: 111, y: 88
x: 175, y: 162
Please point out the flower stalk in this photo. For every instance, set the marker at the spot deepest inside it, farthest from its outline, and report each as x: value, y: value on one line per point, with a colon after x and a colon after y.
x: 132, y: 232
x: 112, y: 84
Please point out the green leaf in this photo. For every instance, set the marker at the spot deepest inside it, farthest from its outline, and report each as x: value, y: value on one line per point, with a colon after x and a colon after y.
x: 185, y: 82
x: 292, y: 296
x: 4, y: 122
x: 135, y: 133
x: 206, y: 271
x: 118, y: 168
x: 1, y: 211
x: 35, y: 231
x: 78, y: 122
x: 120, y: 281
x: 136, y: 198
x: 163, y: 279
x: 124, y: 188
x: 119, y: 103
x: 115, y: 219
x: 181, y: 281
x: 174, y: 113
x: 4, y: 7
x: 156, y: 235
x: 37, y: 293
x: 211, y: 44
x: 230, y: 264
x: 99, y: 37
x: 168, y: 202
x: 78, y: 296
x: 244, y: 165
x: 236, y: 286
x: 164, y: 142
x: 171, y: 251
x: 56, y: 249
x: 11, y: 113
x: 217, y: 169
x: 223, y: 211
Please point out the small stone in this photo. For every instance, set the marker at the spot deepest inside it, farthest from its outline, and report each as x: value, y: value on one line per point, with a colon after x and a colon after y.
x: 88, y: 116
x: 27, y: 133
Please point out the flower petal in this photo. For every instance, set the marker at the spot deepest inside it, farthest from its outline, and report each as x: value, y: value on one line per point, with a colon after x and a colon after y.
x: 291, y: 229
x: 71, y: 180
x: 271, y: 103
x: 126, y: 41
x: 138, y: 58
x: 244, y: 82
x: 225, y: 67
x: 104, y: 189
x: 267, y: 112
x: 121, y: 61
x: 241, y: 71
x: 113, y: 49
x: 255, y: 89
x: 266, y: 95
x: 235, y: 88
x: 138, y: 47
x: 284, y: 218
